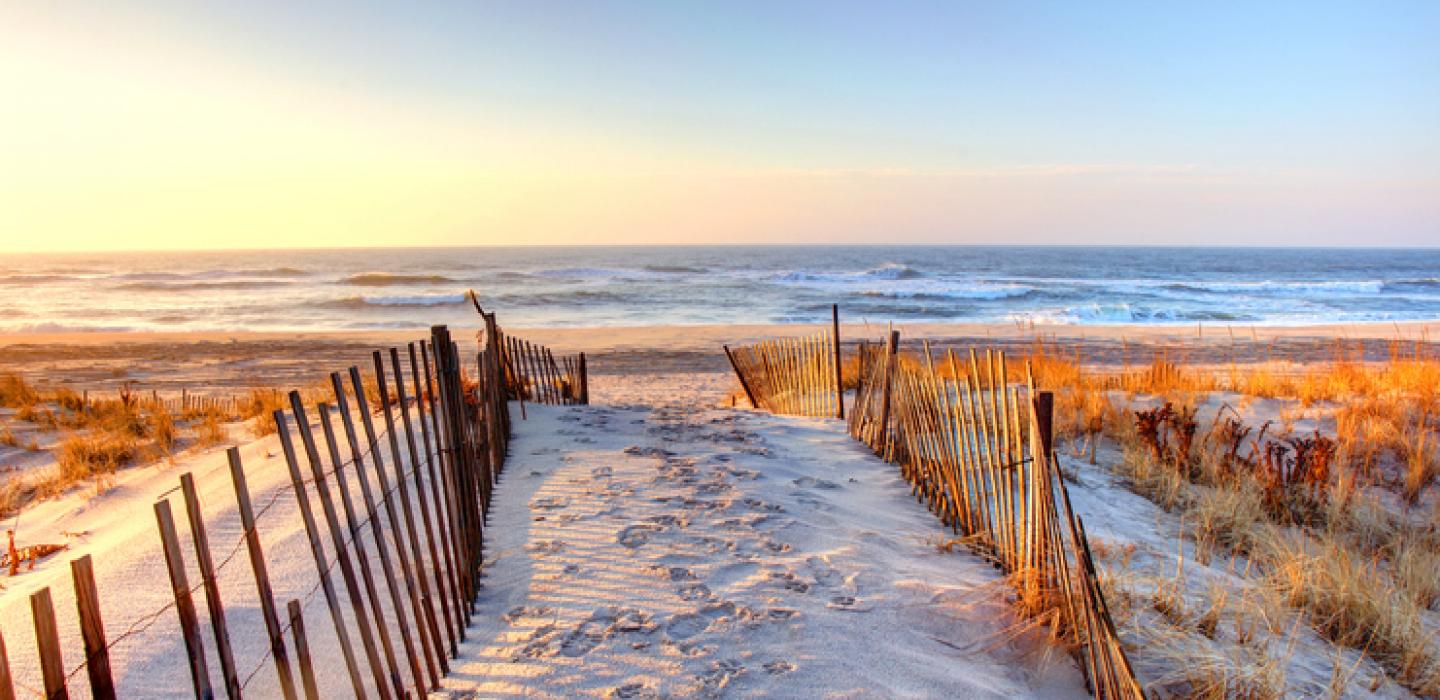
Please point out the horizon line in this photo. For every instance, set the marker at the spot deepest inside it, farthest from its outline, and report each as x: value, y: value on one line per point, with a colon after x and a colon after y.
x: 472, y: 246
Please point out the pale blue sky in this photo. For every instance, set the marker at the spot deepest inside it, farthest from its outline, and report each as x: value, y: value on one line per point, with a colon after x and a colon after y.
x: 1288, y: 123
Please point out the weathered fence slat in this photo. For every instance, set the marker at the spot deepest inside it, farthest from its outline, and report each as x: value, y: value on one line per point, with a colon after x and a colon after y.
x: 212, y: 588
x: 184, y: 604
x: 92, y: 629
x: 317, y: 550
x: 412, y: 562
x: 362, y: 554
x: 424, y: 507
x: 302, y: 651
x: 262, y: 575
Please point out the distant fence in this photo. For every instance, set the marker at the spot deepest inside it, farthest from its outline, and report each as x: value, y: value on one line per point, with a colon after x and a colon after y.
x: 456, y: 429
x: 978, y: 452
x: 793, y: 376
x: 533, y: 373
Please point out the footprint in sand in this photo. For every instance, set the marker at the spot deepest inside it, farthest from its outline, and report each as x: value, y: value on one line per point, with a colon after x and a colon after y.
x: 636, y: 535
x: 691, y: 592
x: 632, y: 690
x: 720, y: 674
x: 519, y: 613
x: 846, y: 603
x: 789, y: 581
x: 811, y: 482
x: 686, y: 625
x: 604, y: 624
x: 545, y: 547
x: 673, y: 573
x: 549, y: 503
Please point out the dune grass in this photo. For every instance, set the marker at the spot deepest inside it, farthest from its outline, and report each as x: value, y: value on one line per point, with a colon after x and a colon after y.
x: 1303, y: 511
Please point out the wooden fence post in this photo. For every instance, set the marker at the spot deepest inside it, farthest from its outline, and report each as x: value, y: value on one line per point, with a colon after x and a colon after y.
x: 426, y: 521
x: 444, y: 509
x: 741, y: 376
x: 839, y: 381
x: 890, y: 355
x: 584, y: 382
x: 92, y: 629
x: 262, y: 576
x: 412, y: 562
x: 342, y: 552
x: 7, y: 682
x: 362, y: 558
x: 184, y: 604
x: 302, y: 651
x: 317, y: 550
x: 212, y: 588
x: 47, y: 643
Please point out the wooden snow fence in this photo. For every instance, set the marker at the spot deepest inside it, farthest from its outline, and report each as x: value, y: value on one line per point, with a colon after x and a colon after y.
x: 425, y: 476
x: 534, y: 372
x: 977, y: 450
x: 793, y: 376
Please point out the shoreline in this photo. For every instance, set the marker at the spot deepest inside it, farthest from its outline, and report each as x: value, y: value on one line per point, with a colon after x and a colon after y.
x: 665, y: 336
x: 227, y: 362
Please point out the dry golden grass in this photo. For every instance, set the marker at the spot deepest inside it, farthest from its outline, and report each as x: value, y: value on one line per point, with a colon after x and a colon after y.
x: 1351, y: 602
x: 259, y: 408
x: 211, y: 432
x: 81, y: 457
x: 160, y: 426
x: 15, y: 392
x: 15, y: 491
x: 1361, y: 575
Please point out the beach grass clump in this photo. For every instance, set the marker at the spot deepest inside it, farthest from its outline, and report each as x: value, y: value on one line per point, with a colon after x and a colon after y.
x: 211, y: 431
x: 16, y: 393
x: 1350, y: 601
x: 15, y: 491
x: 99, y: 454
x: 258, y: 407
x: 1361, y: 575
x: 161, y: 428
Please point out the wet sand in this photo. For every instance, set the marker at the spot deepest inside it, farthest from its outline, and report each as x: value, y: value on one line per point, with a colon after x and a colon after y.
x: 221, y: 363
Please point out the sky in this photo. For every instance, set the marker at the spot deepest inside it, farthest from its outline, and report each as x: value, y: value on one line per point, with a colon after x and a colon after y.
x: 180, y: 125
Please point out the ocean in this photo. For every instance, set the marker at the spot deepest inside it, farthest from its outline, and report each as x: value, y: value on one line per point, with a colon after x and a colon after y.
x: 311, y: 290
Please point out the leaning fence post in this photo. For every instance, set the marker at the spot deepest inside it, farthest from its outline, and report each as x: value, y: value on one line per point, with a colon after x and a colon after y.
x: 92, y: 629
x: 302, y: 651
x: 890, y: 352
x: 184, y: 604
x: 262, y: 576
x: 7, y: 682
x: 47, y: 643
x: 342, y: 553
x: 839, y: 382
x: 212, y: 588
x: 584, y: 382
x: 317, y: 550
x: 741, y: 376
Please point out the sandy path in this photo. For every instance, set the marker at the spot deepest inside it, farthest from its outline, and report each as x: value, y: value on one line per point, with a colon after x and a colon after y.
x: 670, y: 549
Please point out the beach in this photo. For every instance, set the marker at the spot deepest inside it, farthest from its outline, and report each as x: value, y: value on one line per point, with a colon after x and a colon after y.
x: 669, y: 540
x: 224, y: 362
